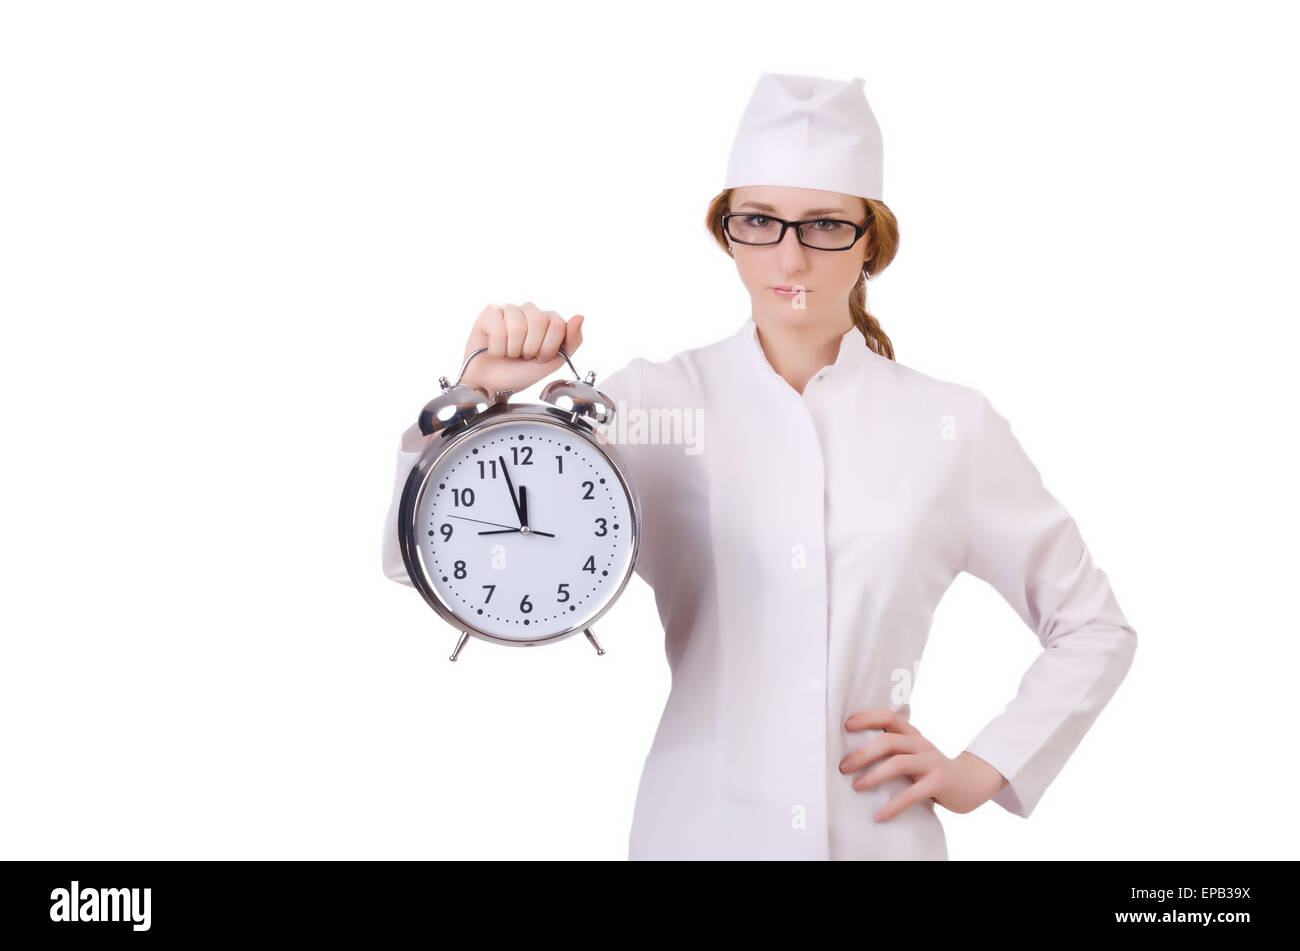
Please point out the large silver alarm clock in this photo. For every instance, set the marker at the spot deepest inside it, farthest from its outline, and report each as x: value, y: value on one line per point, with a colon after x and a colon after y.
x: 519, y: 524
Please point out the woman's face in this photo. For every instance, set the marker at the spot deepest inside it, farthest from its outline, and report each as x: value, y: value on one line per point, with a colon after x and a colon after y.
x: 821, y: 279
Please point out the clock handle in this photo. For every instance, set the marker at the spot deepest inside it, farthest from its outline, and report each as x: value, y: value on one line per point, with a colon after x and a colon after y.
x: 576, y: 375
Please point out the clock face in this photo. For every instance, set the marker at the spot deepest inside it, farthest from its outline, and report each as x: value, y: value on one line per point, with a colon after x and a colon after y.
x: 524, y: 529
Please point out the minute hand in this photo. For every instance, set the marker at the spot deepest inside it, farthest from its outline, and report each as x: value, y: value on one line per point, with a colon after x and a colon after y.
x: 511, y: 485
x: 507, y: 531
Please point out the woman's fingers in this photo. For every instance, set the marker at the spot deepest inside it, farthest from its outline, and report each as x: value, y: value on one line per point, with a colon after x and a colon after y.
x: 480, y: 334
x: 926, y: 788
x: 554, y: 337
x: 883, y: 745
x: 903, y: 764
x: 516, y: 330
x: 538, y: 322
x: 573, y: 334
x: 881, y: 719
x: 522, y: 342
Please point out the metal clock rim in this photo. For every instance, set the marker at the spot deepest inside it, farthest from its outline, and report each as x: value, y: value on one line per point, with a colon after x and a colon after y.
x: 498, y: 415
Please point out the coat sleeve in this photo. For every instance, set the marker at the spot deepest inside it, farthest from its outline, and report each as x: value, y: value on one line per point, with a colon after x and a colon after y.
x: 408, y: 451
x: 1024, y: 543
x: 626, y: 387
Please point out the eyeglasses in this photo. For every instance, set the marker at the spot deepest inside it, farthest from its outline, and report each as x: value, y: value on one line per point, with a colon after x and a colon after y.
x: 822, y: 234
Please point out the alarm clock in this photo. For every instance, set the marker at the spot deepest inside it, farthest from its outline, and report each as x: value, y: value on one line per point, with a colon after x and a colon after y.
x: 519, y: 524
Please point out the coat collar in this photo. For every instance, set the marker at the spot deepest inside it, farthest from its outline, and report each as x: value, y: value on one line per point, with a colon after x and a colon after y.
x: 852, y: 361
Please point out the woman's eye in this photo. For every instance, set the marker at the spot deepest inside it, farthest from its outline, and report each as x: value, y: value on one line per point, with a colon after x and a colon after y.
x: 827, y: 222
x: 756, y: 220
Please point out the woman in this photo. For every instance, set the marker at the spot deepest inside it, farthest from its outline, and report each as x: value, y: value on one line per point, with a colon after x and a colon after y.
x: 798, y: 551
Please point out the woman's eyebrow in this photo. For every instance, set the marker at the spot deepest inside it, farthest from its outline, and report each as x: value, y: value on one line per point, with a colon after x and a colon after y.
x: 759, y: 206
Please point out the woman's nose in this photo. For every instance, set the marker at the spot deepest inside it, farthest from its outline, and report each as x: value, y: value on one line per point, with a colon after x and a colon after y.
x: 794, y: 256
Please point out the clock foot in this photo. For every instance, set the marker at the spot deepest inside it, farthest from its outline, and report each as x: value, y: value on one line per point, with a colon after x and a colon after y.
x: 464, y: 636
x: 594, y: 643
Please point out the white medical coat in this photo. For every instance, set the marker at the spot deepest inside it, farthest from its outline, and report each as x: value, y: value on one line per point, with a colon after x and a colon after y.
x: 797, y: 553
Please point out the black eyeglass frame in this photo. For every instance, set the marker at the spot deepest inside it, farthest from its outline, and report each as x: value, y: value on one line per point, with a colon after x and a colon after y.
x: 859, y: 229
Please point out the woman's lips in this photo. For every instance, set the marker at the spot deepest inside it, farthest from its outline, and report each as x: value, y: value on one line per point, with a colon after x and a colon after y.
x: 785, y: 290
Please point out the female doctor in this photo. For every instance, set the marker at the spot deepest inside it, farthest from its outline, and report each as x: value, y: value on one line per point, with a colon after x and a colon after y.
x: 798, y: 545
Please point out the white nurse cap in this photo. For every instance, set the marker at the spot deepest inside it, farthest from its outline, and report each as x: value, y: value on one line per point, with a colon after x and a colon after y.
x: 808, y: 132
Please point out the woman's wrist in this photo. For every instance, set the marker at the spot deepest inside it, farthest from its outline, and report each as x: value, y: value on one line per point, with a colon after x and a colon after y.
x: 984, y: 777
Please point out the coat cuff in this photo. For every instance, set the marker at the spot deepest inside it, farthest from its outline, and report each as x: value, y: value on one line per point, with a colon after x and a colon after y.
x: 1009, y: 797
x: 409, y: 451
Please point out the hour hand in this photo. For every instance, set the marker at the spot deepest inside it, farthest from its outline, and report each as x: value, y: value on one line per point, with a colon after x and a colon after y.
x: 523, y: 506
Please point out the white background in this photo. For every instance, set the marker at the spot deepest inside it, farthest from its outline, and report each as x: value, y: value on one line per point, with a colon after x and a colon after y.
x: 241, y: 241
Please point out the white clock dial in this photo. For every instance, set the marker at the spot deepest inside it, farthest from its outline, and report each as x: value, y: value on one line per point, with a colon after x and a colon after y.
x: 507, y: 581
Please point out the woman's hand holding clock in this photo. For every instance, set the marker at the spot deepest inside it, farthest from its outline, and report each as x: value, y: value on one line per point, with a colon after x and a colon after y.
x: 523, y: 344
x: 958, y: 784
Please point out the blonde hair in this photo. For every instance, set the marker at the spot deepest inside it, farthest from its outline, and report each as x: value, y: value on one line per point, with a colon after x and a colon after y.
x: 882, y: 228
